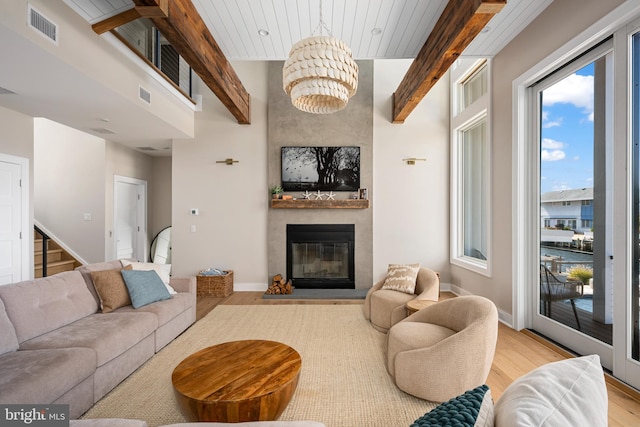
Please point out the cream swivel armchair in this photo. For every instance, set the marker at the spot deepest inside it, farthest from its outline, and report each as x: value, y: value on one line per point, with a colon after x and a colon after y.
x: 445, y: 349
x: 384, y: 307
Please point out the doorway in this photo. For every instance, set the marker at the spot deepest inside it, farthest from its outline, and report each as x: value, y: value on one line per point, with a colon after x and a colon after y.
x: 610, y: 72
x: 574, y: 298
x: 130, y: 218
x: 15, y: 262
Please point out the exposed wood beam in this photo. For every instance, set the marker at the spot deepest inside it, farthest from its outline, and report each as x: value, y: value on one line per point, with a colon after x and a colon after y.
x: 460, y: 22
x: 185, y: 30
x: 159, y: 9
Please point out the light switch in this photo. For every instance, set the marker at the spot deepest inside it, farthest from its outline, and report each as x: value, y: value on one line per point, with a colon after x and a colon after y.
x: 193, y: 228
x: 87, y: 217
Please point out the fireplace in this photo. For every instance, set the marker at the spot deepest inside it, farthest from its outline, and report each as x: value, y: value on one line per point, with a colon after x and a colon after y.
x: 321, y: 255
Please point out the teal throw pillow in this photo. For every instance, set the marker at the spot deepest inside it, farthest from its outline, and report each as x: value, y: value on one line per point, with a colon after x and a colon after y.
x: 474, y: 408
x: 144, y: 287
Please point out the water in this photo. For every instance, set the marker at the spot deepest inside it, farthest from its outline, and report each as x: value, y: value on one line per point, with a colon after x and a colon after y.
x: 566, y: 254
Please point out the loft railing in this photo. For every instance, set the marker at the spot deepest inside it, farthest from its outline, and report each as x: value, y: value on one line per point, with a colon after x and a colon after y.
x: 144, y: 39
x: 45, y: 239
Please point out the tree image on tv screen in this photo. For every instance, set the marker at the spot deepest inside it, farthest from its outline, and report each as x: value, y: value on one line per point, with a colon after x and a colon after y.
x: 320, y: 168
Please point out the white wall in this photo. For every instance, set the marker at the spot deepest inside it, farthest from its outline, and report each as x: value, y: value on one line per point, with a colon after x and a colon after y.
x: 411, y: 213
x: 159, y: 203
x: 231, y: 229
x: 69, y: 183
x: 95, y: 56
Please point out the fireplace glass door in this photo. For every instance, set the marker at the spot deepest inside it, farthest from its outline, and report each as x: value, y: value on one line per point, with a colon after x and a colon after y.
x: 321, y: 260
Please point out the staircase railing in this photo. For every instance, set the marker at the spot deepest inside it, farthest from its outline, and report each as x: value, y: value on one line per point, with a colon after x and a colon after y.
x: 45, y: 239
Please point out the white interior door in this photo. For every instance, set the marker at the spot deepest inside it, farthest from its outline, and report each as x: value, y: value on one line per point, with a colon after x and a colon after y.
x: 130, y: 229
x: 10, y: 223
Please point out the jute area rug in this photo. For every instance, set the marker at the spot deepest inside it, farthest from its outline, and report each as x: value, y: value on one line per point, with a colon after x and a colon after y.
x: 343, y: 381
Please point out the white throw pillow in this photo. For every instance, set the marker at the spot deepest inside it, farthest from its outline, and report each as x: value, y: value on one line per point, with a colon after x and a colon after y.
x: 402, y: 277
x: 163, y: 271
x: 570, y: 392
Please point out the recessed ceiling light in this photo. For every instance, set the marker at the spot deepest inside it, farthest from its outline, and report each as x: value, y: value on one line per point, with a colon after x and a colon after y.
x: 263, y: 32
x: 104, y: 119
x: 376, y: 31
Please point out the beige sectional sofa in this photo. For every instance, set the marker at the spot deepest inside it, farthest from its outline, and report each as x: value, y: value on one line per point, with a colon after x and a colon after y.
x: 56, y: 346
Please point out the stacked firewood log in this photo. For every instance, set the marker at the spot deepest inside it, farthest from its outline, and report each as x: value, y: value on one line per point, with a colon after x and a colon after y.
x: 279, y: 286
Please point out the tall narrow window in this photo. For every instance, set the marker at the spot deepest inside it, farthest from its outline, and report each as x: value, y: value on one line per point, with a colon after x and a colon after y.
x: 473, y: 144
x: 470, y: 243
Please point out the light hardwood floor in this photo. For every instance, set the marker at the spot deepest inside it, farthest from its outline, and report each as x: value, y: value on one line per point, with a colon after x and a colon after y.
x: 516, y: 354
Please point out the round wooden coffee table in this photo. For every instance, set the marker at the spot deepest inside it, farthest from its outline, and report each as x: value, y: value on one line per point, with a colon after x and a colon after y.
x: 250, y: 380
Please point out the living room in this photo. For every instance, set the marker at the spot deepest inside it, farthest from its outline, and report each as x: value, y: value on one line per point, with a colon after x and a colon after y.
x: 410, y: 204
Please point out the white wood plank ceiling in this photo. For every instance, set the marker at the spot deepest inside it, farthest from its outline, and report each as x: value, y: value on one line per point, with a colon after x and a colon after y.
x: 374, y: 29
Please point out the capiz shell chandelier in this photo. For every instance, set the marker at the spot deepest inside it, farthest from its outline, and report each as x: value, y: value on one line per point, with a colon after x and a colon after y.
x: 320, y: 74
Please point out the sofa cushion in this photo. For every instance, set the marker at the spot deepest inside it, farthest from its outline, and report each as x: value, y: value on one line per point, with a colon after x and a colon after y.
x: 38, y: 306
x: 42, y: 376
x: 8, y: 339
x: 164, y: 310
x: 163, y: 270
x: 111, y: 289
x: 474, y: 408
x: 570, y: 392
x: 109, y: 335
x: 145, y: 287
x: 401, y: 277
x: 86, y: 270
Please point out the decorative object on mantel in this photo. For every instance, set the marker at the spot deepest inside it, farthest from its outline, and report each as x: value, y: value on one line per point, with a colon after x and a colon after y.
x: 318, y: 195
x: 331, y: 195
x: 320, y: 204
x: 363, y: 194
x: 413, y: 160
x: 320, y: 74
x: 279, y: 286
x: 275, y: 191
x: 306, y: 195
x: 228, y: 162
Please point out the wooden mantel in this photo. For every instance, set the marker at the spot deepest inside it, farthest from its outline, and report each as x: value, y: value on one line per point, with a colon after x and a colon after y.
x: 320, y: 204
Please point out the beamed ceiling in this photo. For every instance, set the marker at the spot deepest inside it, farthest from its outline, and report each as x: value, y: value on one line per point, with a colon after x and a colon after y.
x: 432, y: 32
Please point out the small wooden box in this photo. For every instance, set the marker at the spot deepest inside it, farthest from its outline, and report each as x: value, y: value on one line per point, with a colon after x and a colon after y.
x: 215, y: 286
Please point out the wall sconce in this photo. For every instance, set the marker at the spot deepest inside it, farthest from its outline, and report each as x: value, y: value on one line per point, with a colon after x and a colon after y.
x: 228, y: 162
x: 413, y: 160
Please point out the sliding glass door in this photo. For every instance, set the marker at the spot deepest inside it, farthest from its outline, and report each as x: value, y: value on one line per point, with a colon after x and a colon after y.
x: 580, y: 251
x: 573, y: 106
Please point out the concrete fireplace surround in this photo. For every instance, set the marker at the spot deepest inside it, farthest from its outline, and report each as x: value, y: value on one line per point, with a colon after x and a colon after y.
x: 352, y: 126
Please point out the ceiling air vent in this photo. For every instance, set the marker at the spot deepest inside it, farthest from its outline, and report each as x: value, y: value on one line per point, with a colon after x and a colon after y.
x: 103, y: 131
x: 146, y: 149
x: 42, y: 25
x: 145, y: 95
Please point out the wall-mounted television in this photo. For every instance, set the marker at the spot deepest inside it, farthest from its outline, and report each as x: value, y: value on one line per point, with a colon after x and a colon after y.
x: 321, y: 168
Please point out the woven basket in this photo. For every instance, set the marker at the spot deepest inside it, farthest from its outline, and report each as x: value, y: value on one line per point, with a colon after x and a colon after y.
x: 215, y: 286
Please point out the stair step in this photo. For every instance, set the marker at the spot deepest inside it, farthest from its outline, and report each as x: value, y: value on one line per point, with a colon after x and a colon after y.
x: 53, y: 255
x: 55, y: 267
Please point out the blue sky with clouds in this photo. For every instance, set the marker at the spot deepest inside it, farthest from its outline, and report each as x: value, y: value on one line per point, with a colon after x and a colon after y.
x: 567, y: 133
